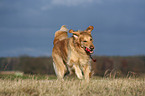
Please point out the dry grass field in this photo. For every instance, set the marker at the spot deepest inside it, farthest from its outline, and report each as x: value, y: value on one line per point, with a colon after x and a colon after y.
x: 46, y: 86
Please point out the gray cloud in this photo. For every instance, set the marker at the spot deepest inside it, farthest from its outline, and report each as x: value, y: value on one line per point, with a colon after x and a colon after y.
x: 119, y: 25
x: 24, y: 51
x: 71, y: 2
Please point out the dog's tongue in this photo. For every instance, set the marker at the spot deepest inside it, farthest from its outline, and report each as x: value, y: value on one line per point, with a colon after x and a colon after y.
x: 88, y: 50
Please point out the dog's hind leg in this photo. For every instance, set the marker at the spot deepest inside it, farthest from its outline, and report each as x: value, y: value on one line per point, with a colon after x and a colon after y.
x: 59, y: 66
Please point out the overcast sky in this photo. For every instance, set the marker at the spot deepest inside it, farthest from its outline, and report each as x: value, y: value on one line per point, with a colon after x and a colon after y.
x: 27, y: 27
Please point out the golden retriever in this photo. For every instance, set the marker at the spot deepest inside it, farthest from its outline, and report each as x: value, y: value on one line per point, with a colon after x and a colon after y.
x: 73, y: 54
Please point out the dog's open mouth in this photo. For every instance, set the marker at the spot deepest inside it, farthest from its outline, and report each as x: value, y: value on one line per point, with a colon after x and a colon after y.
x: 88, y: 50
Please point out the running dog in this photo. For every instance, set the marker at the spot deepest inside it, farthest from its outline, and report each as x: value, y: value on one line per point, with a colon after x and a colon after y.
x: 73, y: 54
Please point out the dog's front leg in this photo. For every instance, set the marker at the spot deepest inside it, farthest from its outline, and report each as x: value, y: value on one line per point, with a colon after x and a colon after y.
x: 78, y: 71
x: 87, y: 71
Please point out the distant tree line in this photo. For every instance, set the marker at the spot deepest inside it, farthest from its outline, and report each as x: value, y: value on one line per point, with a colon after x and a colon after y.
x: 103, y: 65
x: 118, y: 65
x: 28, y: 65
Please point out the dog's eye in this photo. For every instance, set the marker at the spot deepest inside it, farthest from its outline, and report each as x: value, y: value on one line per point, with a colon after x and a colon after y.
x: 91, y: 39
x: 84, y: 41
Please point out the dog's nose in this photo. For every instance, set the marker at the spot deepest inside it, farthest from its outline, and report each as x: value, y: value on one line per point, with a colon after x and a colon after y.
x: 91, y: 47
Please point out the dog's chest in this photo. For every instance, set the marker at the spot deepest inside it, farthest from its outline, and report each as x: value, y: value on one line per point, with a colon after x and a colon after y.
x: 84, y: 61
x: 75, y: 58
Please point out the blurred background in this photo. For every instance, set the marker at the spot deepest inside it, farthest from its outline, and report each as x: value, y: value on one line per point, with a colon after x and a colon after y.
x: 27, y: 29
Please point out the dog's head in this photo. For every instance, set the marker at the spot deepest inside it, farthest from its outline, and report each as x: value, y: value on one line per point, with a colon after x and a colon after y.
x: 83, y: 39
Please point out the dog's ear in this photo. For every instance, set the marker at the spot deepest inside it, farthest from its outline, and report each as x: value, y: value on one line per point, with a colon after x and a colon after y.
x: 71, y: 31
x: 75, y: 34
x: 89, y: 29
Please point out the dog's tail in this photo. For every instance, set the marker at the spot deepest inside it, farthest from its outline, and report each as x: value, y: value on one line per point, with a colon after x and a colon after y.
x: 60, y: 34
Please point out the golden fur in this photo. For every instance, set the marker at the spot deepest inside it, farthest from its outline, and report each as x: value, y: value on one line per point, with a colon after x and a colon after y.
x: 73, y: 54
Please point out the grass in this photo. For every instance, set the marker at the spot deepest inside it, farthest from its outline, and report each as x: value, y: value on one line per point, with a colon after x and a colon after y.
x: 41, y: 85
x: 26, y: 76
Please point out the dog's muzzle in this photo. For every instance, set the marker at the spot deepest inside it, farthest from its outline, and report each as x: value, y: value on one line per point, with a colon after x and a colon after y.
x: 89, y: 50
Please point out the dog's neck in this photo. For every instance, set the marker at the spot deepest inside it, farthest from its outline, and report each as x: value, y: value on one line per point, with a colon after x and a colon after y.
x: 78, y: 48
